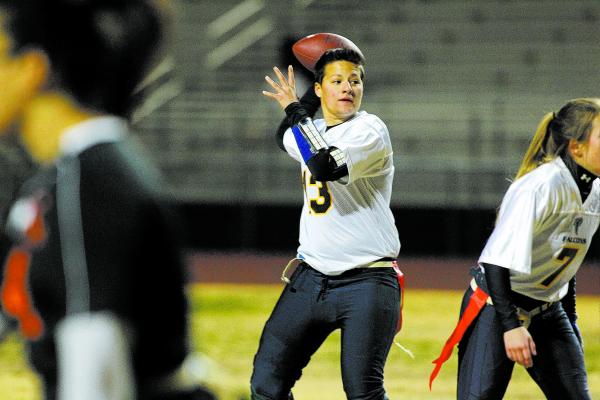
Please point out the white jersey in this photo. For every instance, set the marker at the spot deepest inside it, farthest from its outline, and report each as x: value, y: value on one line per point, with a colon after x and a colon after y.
x: 348, y: 223
x: 543, y: 231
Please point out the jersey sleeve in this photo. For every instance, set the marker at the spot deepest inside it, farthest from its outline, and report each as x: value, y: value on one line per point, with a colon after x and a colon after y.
x: 367, y: 148
x: 510, y: 245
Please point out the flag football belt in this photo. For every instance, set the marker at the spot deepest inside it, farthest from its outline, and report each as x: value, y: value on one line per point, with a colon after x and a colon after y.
x: 380, y: 264
x: 477, y: 301
x: 524, y: 315
x: 293, y: 264
x: 474, y: 287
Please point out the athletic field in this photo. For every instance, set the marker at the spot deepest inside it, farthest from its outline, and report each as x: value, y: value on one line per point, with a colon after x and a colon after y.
x: 227, y: 321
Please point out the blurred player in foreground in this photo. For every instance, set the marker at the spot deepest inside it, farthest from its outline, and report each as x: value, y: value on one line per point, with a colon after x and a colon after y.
x: 346, y: 278
x: 94, y: 277
x: 526, y: 272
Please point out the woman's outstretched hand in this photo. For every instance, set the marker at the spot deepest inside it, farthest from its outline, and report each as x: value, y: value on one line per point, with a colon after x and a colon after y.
x: 285, y: 89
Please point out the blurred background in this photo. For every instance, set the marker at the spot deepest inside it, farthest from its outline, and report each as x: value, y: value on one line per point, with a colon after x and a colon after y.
x: 461, y: 85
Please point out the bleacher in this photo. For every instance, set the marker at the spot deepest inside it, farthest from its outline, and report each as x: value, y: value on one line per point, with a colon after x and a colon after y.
x: 460, y: 84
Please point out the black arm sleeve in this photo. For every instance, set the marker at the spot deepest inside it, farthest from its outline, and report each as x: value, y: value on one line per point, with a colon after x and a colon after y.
x: 498, y: 282
x: 307, y: 107
x: 323, y: 168
x: 568, y: 302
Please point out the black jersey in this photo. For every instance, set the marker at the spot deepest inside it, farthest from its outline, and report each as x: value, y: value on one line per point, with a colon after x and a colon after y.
x: 108, y: 246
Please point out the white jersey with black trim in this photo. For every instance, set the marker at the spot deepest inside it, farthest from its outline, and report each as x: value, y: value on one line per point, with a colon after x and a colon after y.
x: 543, y: 231
x: 348, y: 223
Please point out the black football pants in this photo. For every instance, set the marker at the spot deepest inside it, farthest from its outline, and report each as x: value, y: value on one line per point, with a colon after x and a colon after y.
x: 363, y: 303
x: 484, y: 370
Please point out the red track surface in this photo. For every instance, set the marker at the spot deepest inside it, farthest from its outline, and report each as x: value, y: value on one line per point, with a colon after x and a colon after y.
x: 423, y: 273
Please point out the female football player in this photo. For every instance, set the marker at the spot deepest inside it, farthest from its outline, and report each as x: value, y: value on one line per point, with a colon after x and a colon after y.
x: 346, y: 278
x: 543, y: 231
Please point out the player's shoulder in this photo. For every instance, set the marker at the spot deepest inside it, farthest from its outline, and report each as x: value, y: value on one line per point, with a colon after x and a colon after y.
x: 370, y: 120
x: 367, y: 127
x: 548, y: 179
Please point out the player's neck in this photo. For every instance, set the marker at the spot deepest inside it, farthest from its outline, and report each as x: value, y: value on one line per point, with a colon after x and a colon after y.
x: 45, y: 120
x: 332, y: 120
x: 583, y: 178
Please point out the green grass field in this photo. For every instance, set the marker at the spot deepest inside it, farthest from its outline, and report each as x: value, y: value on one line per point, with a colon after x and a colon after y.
x: 228, y: 319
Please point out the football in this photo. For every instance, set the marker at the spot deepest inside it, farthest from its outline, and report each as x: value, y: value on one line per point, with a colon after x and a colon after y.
x: 309, y: 49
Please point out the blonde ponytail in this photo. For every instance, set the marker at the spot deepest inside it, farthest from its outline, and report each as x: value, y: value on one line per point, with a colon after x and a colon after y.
x: 572, y: 122
x: 536, y: 155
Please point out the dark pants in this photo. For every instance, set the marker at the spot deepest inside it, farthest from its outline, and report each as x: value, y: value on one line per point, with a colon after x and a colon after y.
x: 363, y: 303
x: 484, y: 370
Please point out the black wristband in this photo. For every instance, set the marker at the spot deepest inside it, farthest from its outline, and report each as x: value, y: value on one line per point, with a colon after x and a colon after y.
x: 295, y: 113
x: 323, y: 168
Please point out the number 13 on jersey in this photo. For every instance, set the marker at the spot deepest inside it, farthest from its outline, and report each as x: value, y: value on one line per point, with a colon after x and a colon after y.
x: 317, y: 194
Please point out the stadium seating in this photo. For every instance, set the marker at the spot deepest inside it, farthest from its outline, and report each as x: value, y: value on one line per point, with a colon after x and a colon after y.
x: 461, y: 85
